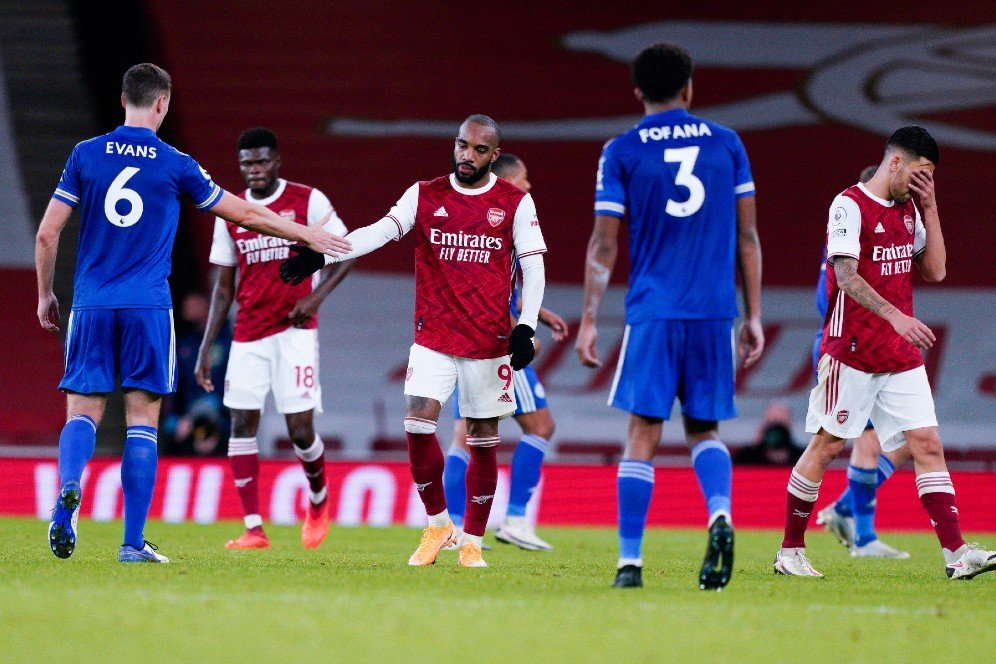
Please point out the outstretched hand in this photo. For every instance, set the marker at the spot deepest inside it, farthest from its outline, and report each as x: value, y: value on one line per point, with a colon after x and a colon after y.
x: 304, y: 263
x: 323, y: 242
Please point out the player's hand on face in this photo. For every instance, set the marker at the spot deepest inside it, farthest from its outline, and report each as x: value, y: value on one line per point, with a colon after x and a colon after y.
x: 912, y: 330
x: 48, y: 312
x: 751, y: 341
x: 202, y: 371
x: 303, y: 310
x: 324, y: 242
x: 558, y: 326
x: 922, y: 186
x: 304, y: 263
x: 585, y: 345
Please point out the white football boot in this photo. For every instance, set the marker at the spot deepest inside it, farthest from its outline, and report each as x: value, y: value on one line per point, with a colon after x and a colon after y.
x: 793, y: 562
x: 841, y: 527
x: 973, y: 562
x: 878, y: 549
x: 518, y: 531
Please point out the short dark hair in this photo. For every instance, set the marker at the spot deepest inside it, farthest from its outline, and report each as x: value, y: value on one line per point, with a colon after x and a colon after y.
x: 867, y: 173
x: 505, y: 163
x: 143, y: 84
x: 661, y: 71
x: 916, y: 142
x: 486, y: 120
x: 258, y: 137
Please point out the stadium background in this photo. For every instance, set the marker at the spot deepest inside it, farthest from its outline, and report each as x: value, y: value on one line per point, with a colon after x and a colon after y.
x: 365, y: 98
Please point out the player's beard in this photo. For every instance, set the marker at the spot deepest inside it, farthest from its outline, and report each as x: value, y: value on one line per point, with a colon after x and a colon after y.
x: 473, y: 177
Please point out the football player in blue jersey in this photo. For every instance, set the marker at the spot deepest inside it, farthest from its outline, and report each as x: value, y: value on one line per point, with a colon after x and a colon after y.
x: 128, y: 185
x: 684, y: 186
x: 532, y: 414
x: 851, y: 518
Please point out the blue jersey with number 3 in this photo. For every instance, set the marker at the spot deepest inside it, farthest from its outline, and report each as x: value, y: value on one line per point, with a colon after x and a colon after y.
x: 676, y: 178
x: 128, y: 184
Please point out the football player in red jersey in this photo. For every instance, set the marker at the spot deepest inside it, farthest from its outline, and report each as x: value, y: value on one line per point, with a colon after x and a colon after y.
x: 470, y: 228
x: 275, y: 344
x: 870, y: 364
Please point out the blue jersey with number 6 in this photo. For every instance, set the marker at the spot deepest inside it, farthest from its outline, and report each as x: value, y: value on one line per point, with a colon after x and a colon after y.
x: 676, y: 178
x: 129, y: 183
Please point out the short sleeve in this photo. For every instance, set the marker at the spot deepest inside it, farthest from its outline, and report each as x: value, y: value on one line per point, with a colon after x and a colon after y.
x: 69, y: 188
x: 743, y: 180
x: 610, y: 189
x: 196, y: 184
x: 223, y: 250
x: 526, y: 233
x: 403, y: 212
x: 919, y: 235
x: 844, y: 228
x: 318, y: 206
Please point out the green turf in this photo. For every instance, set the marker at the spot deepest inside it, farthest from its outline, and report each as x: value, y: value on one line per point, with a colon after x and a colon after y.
x: 354, y: 599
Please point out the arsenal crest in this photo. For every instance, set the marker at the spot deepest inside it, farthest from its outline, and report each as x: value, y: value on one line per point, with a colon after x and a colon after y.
x: 289, y: 215
x: 842, y: 416
x: 908, y: 220
x: 496, y: 216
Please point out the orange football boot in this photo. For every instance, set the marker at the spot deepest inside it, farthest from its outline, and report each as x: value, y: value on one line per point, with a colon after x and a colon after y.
x: 433, y: 539
x: 249, y: 540
x: 316, y: 525
x: 470, y: 556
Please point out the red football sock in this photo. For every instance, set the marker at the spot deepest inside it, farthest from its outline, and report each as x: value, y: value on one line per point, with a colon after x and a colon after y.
x: 243, y: 454
x: 938, y: 497
x: 313, y: 461
x: 426, y: 461
x: 802, y: 495
x: 482, y: 479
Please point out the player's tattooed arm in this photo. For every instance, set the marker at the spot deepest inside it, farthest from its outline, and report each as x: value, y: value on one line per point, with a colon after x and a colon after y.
x: 848, y: 280
x: 603, y: 247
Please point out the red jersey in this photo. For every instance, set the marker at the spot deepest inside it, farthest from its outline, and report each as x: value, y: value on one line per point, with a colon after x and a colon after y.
x: 264, y: 300
x: 467, y: 242
x: 885, y: 237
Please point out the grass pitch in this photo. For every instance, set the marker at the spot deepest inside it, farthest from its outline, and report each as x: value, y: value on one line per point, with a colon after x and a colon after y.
x: 354, y: 599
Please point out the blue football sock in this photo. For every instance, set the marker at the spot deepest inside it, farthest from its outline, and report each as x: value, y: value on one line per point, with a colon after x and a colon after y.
x: 455, y: 483
x: 863, y: 483
x: 885, y: 469
x: 76, y: 443
x: 138, y: 479
x: 843, y: 503
x: 714, y: 470
x: 635, y: 480
x: 525, y: 475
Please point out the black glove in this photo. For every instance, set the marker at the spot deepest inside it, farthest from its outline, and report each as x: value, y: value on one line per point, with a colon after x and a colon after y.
x: 297, y: 268
x: 520, y: 346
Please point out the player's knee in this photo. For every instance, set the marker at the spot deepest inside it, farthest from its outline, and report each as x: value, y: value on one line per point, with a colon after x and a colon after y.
x: 925, y: 444
x: 826, y: 446
x: 419, y: 425
x: 542, y: 426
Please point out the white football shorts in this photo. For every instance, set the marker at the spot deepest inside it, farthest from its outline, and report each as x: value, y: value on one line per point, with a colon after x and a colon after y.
x: 286, y: 362
x: 486, y: 388
x: 845, y: 398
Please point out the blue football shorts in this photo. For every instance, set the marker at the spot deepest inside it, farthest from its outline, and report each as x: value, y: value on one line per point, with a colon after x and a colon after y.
x: 530, y: 395
x: 135, y: 346
x: 688, y: 360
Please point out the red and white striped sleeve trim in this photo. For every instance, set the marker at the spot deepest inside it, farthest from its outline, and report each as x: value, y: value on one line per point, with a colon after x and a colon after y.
x: 533, y: 252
